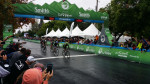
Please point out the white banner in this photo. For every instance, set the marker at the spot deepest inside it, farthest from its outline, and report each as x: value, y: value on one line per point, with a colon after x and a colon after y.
x: 71, y: 28
x: 46, y: 31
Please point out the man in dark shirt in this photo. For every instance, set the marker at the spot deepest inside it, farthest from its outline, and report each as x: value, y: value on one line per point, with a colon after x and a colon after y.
x: 18, y: 67
x: 27, y: 54
x: 16, y: 55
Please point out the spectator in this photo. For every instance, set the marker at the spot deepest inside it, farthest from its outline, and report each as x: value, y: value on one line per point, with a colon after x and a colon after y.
x: 91, y: 42
x: 121, y: 44
x: 145, y: 45
x: 16, y: 55
x: 37, y: 65
x: 146, y: 42
x: 139, y: 45
x: 133, y: 46
x: 3, y: 64
x: 36, y: 76
x: 96, y: 37
x: 114, y: 43
x: 3, y: 59
x: 129, y: 43
x: 125, y: 45
x: 3, y: 72
x: 17, y: 68
x: 95, y: 41
x: 81, y: 41
x: 27, y: 54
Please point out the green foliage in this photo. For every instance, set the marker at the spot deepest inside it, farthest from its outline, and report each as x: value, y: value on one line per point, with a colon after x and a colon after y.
x: 82, y: 25
x: 6, y: 14
x: 130, y: 16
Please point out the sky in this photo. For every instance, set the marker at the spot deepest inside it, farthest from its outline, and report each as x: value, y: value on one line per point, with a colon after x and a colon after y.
x: 85, y: 4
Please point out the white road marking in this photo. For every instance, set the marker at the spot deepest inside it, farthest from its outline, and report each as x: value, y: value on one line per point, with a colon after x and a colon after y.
x: 56, y: 57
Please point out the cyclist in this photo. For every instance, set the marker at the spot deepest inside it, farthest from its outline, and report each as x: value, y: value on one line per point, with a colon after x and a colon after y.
x: 55, y: 50
x: 56, y: 44
x: 66, y: 46
x: 51, y: 45
x: 43, y: 42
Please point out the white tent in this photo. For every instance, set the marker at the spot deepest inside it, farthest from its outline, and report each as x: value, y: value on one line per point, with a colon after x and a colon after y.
x: 91, y: 31
x: 65, y: 33
x: 50, y: 34
x: 123, y: 38
x: 57, y: 33
x: 77, y: 32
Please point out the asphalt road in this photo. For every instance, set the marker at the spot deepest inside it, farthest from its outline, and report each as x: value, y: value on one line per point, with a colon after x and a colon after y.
x: 91, y: 69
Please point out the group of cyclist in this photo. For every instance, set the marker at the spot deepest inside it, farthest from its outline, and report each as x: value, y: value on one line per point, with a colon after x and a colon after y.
x: 54, y: 44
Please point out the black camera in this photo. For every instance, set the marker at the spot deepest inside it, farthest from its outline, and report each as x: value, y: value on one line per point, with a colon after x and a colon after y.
x: 3, y: 53
x: 49, y: 68
x: 2, y: 42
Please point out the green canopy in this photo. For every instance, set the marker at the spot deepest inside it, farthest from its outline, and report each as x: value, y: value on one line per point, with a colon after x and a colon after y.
x: 59, y: 9
x: 63, y: 10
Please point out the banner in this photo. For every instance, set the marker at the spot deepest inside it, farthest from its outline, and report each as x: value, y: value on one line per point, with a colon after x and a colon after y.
x: 71, y: 28
x: 105, y: 37
x: 62, y: 9
x: 46, y: 31
x: 7, y: 31
x: 129, y: 55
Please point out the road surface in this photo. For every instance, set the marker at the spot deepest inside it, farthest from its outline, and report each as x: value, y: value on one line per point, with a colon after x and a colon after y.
x: 86, y: 68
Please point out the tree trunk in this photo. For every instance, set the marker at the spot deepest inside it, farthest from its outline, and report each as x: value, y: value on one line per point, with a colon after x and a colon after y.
x: 1, y: 31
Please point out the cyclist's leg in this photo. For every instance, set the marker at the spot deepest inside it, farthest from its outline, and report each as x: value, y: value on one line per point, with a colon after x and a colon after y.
x: 54, y: 48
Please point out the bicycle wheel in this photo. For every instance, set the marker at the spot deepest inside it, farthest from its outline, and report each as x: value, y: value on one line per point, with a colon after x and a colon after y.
x: 41, y: 47
x: 51, y: 49
x: 68, y: 54
x: 44, y: 49
x: 57, y: 52
x: 63, y: 53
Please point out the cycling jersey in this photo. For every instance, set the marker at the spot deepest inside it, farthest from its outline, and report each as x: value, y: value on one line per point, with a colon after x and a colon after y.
x: 66, y: 45
x: 52, y: 43
x: 56, y: 44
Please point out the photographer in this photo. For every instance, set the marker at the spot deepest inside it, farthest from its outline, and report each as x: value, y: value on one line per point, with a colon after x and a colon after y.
x: 36, y: 75
x: 17, y: 68
x: 3, y: 64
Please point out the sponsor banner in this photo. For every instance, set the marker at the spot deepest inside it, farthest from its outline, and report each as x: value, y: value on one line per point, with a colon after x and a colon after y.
x: 89, y: 49
x: 59, y: 9
x: 72, y: 46
x: 105, y: 37
x: 28, y: 16
x: 134, y: 56
x: 109, y: 36
x: 104, y: 51
x: 144, y: 57
x: 130, y: 55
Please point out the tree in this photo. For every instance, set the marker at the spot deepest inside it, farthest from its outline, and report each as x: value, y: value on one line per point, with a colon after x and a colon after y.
x: 129, y: 16
x: 7, y: 15
x: 82, y: 25
x: 35, y: 27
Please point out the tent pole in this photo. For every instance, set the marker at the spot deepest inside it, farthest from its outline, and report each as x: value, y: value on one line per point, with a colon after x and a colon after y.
x: 102, y: 25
